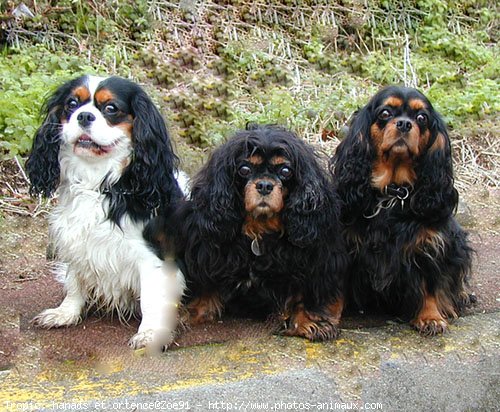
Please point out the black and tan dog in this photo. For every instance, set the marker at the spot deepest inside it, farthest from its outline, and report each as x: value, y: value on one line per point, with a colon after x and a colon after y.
x: 260, y: 233
x: 394, y: 175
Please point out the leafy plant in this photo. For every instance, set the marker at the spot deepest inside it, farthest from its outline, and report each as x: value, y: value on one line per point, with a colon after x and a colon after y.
x: 215, y: 68
x: 27, y: 76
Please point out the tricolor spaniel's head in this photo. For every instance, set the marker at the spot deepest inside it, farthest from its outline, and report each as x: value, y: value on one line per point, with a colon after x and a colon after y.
x: 111, y: 126
x: 97, y: 117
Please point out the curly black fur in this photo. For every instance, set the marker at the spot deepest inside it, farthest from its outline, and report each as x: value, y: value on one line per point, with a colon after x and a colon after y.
x: 390, y: 269
x: 307, y: 259
x: 43, y: 162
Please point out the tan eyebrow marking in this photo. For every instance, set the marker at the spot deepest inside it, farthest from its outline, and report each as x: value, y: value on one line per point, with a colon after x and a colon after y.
x: 82, y: 92
x: 256, y: 159
x: 393, y: 101
x: 417, y: 104
x: 103, y: 96
x: 278, y: 160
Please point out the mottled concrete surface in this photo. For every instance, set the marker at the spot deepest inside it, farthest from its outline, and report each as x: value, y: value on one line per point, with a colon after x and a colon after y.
x: 389, y: 365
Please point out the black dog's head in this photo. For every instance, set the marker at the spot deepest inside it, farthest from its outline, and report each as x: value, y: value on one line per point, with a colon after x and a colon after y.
x: 397, y: 139
x: 264, y: 179
x: 403, y: 126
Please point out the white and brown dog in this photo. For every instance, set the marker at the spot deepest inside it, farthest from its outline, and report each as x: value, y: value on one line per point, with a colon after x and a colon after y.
x: 105, y: 148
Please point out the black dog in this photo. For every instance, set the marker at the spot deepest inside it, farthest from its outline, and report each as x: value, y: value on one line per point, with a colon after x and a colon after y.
x: 394, y: 174
x: 261, y: 233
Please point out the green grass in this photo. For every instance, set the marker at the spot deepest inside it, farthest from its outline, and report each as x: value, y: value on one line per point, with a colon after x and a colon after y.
x: 217, y: 65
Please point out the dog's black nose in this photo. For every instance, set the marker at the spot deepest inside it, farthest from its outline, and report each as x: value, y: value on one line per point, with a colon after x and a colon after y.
x: 264, y: 187
x: 85, y: 119
x: 404, y: 125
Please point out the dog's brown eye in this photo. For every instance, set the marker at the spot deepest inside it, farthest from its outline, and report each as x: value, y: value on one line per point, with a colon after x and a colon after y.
x: 72, y: 104
x: 384, y: 114
x: 244, y: 171
x: 110, y: 109
x: 422, y: 118
x: 285, y: 172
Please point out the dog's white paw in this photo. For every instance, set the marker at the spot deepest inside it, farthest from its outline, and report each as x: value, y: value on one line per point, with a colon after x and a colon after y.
x: 55, y: 318
x: 152, y: 339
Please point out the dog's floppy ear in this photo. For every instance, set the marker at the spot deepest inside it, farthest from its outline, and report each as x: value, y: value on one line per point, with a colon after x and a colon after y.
x: 311, y: 210
x: 148, y: 184
x: 214, y: 193
x: 352, y: 164
x: 42, y: 164
x: 435, y: 197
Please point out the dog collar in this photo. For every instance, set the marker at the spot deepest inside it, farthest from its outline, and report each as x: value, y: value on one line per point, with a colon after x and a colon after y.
x: 400, y: 192
x: 392, y: 194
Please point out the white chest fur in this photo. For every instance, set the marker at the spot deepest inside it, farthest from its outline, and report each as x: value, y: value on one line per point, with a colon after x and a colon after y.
x: 102, y: 256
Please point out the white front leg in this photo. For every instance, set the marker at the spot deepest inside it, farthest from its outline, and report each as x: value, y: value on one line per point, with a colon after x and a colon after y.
x: 162, y: 285
x: 69, y: 311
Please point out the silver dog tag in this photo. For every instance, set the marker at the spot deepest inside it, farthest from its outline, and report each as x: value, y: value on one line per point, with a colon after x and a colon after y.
x: 255, y: 247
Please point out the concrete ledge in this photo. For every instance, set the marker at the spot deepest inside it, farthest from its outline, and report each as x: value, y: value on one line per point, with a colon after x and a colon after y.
x: 390, y: 365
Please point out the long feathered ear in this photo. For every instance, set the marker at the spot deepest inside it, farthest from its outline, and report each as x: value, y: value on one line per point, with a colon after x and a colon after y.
x: 42, y: 164
x: 434, y: 196
x: 352, y: 165
x: 311, y: 209
x: 215, y: 196
x: 148, y: 184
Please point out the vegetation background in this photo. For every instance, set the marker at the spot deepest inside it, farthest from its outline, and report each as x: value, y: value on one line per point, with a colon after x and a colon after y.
x: 212, y: 66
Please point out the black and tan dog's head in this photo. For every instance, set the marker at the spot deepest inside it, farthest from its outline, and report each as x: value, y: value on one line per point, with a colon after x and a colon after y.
x: 403, y: 126
x: 397, y: 139
x: 264, y: 179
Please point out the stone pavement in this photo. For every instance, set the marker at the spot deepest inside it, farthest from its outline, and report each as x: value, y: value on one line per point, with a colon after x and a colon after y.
x: 388, y: 368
